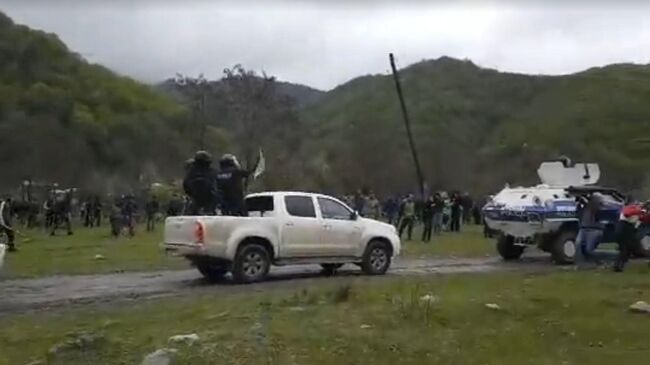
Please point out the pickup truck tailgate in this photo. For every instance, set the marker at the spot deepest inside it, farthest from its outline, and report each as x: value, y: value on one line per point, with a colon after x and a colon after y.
x: 181, y: 230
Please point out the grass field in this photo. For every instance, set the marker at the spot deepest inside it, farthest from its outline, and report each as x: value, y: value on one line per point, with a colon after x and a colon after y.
x: 43, y: 255
x: 551, y: 318
x: 469, y: 243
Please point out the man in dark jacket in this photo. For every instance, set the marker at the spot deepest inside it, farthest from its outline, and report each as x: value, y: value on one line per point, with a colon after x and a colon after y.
x: 627, y: 231
x: 591, y: 230
x: 427, y: 219
x: 231, y: 180
x: 61, y: 211
x: 5, y: 223
x: 96, y: 208
x: 359, y: 201
x: 151, y: 209
x: 391, y: 210
x: 200, y: 184
x: 128, y: 209
x: 438, y: 207
x: 456, y: 207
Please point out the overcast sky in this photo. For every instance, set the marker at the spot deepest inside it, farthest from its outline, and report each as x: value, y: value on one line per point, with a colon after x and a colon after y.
x: 325, y: 43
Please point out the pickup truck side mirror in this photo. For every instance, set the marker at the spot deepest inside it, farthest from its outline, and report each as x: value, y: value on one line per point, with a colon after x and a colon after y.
x: 354, y: 215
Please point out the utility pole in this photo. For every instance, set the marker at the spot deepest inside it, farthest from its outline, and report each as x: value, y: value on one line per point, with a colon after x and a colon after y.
x: 407, y: 123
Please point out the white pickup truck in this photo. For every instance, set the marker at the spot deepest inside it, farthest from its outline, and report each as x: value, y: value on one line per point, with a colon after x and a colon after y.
x: 282, y: 228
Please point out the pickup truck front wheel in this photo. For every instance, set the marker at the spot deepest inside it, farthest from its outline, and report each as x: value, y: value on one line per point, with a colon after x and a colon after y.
x: 376, y: 259
x: 251, y: 264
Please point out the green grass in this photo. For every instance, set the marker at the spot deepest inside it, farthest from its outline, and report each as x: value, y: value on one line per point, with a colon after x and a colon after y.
x: 42, y: 255
x: 551, y: 318
x: 469, y: 243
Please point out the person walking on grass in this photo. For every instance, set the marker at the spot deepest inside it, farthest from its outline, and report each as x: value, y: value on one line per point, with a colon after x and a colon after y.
x: 115, y: 219
x: 96, y: 208
x: 407, y: 217
x: 591, y: 230
x: 456, y: 211
x: 373, y: 207
x: 627, y: 231
x: 5, y: 223
x: 359, y: 202
x: 128, y: 209
x: 391, y: 210
x: 427, y: 219
x: 438, y: 207
x: 151, y: 210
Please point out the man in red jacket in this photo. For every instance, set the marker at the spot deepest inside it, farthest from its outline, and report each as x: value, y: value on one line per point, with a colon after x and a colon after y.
x: 632, y: 216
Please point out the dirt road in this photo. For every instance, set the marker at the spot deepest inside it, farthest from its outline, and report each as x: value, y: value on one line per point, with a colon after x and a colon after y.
x: 27, y: 294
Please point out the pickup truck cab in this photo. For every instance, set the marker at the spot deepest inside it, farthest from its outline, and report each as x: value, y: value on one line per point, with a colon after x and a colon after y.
x: 282, y: 228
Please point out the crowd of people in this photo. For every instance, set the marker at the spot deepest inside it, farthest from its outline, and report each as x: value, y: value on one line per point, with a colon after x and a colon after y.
x: 441, y: 211
x: 211, y: 190
x: 208, y: 190
x: 60, y: 210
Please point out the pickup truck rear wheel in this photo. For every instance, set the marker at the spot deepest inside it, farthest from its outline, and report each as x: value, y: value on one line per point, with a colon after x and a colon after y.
x: 251, y: 264
x: 376, y: 258
x: 212, y: 273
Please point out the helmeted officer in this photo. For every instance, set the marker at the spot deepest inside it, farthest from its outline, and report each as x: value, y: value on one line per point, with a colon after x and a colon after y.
x: 200, y: 184
x: 231, y: 179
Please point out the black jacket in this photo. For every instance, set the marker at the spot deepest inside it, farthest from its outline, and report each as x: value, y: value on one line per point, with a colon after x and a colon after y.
x: 427, y: 210
x: 200, y: 182
x: 230, y: 184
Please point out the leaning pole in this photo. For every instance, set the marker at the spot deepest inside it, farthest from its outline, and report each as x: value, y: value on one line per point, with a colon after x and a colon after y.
x: 407, y: 124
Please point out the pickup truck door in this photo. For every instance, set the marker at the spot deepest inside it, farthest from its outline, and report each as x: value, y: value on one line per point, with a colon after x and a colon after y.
x: 301, y: 229
x: 341, y: 229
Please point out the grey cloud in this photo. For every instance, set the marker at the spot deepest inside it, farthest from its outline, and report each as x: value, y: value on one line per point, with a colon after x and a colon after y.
x: 323, y: 44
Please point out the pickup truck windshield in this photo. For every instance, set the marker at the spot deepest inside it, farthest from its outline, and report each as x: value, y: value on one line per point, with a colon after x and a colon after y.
x: 258, y: 205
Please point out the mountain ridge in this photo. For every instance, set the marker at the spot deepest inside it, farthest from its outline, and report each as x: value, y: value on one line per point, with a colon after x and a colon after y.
x: 475, y: 128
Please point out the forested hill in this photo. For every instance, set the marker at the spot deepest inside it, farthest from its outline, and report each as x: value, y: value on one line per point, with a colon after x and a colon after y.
x: 65, y: 120
x: 477, y: 128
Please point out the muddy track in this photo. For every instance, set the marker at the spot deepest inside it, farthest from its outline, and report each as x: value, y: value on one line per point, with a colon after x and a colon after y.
x: 56, y: 291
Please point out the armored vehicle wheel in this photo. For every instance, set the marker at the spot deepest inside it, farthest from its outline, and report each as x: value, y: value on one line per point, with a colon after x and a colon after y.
x: 507, y: 248
x: 564, y: 248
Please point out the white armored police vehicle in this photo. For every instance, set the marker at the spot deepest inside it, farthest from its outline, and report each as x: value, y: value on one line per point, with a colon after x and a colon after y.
x: 546, y: 215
